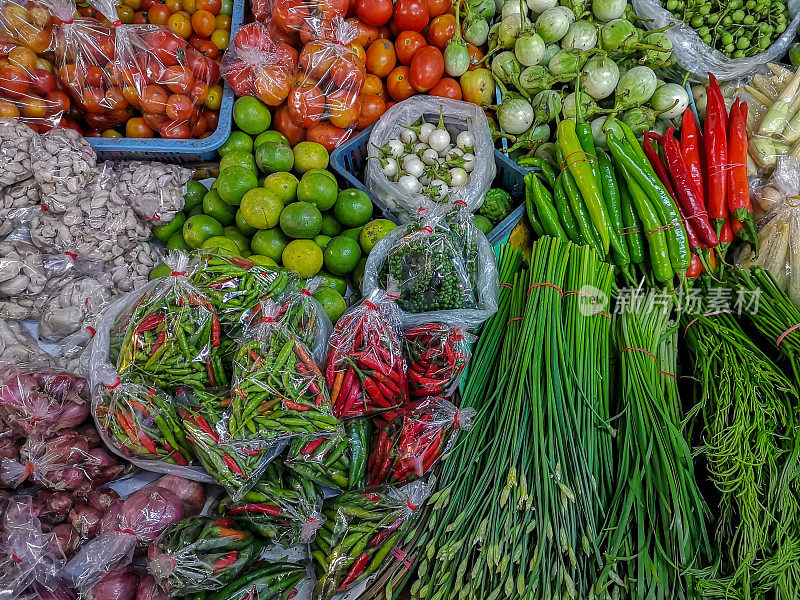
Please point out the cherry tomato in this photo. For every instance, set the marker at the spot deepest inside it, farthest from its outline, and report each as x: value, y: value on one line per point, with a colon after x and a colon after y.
x: 134, y: 4
x: 179, y: 107
x: 174, y: 6
x: 14, y: 81
x: 365, y: 34
x: 92, y: 101
x: 200, y: 126
x: 148, y: 4
x: 427, y: 68
x: 115, y: 99
x: 203, y: 68
x: 316, y: 59
x: 342, y: 107
x: 306, y: 105
x: 381, y: 58
x: 23, y: 57
x: 199, y: 92
x: 290, y: 15
x: 370, y: 109
x: 373, y: 86
x: 374, y: 12
x: 58, y: 101
x: 139, y: 18
x: 399, y: 85
x: 154, y: 99
x: 8, y: 110
x: 176, y: 130
x: 223, y: 22
x: 441, y: 30
x: 131, y: 95
x: 287, y: 56
x: 212, y: 116
x: 411, y: 15
x: 178, y: 79
x: 333, y: 8
x: 272, y: 85
x: 447, y: 88
x: 212, y: 6
x: 282, y: 121
x: 209, y: 49
x: 438, y: 7
x: 475, y: 57
x: 328, y: 135
x: 358, y: 50
x: 407, y: 43
x: 204, y: 23
x: 190, y: 6
x: 181, y: 24
x: 42, y: 82
x: 214, y: 97
x: 165, y: 46
x: 158, y: 14
x: 221, y: 38
x: 125, y: 14
x: 94, y: 76
x: 34, y: 108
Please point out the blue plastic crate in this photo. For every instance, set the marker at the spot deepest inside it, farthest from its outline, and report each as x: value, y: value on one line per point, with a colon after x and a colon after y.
x: 349, y: 160
x: 176, y: 151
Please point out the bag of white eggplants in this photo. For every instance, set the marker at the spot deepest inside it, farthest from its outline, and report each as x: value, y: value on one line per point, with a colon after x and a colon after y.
x: 430, y: 150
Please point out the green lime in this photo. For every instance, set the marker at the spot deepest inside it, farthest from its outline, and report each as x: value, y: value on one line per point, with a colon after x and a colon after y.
x: 240, y: 158
x: 283, y: 185
x: 332, y: 281
x: 332, y: 303
x: 358, y: 273
x: 270, y: 136
x: 269, y: 242
x: 243, y: 225
x: 163, y: 232
x: 353, y: 208
x: 160, y: 270
x: 234, y: 182
x: 482, y: 223
x: 261, y: 209
x: 196, y: 210
x: 176, y: 242
x: 322, y: 240
x: 241, y: 240
x: 303, y: 257
x: 251, y: 115
x: 330, y: 226
x: 325, y: 171
x: 354, y: 232
x: 794, y: 55
x: 272, y: 157
x: 238, y: 141
x: 221, y: 244
x: 318, y: 189
x: 310, y: 155
x: 373, y: 232
x: 199, y: 228
x: 301, y: 220
x: 262, y: 260
x: 342, y: 255
x: 216, y: 207
x: 195, y: 191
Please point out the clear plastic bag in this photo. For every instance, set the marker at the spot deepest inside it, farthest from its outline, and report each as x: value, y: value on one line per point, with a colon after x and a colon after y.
x: 440, y: 265
x: 700, y: 59
x: 16, y: 344
x: 365, y: 368
x: 381, y: 514
x: 154, y: 190
x: 282, y: 506
x: 141, y: 424
x: 68, y: 309
x: 413, y: 442
x: 63, y: 166
x: 200, y: 554
x: 336, y: 462
x: 20, y: 205
x: 38, y: 400
x: 278, y: 390
x: 457, y: 117
x: 16, y: 141
x: 27, y: 272
x: 255, y: 65
x: 436, y: 355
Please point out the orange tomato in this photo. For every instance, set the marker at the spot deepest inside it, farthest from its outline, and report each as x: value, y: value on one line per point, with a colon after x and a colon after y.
x: 282, y: 121
x: 272, y: 85
x: 381, y: 58
x: 158, y: 14
x: 342, y: 108
x: 333, y: 8
x: 181, y: 24
x: 398, y: 83
x: 370, y: 109
x: 328, y: 135
x: 373, y: 86
x: 23, y: 57
x: 290, y: 15
x: 212, y: 6
x: 115, y: 99
x: 223, y: 22
x: 204, y: 23
x: 137, y: 128
x: 178, y: 79
x: 441, y: 30
x: 438, y: 7
x: 199, y: 92
x: 58, y: 101
x: 365, y: 34
x: 92, y: 101
x: 406, y: 45
x: 306, y: 105
x: 446, y: 88
x: 348, y: 72
x: 154, y: 99
x: 8, y: 110
x: 179, y: 107
x: 475, y: 57
x: 427, y: 68
x: 176, y: 130
x: 358, y: 50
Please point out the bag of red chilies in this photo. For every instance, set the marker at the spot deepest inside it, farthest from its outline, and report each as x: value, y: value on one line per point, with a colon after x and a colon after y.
x: 365, y: 368
x: 413, y: 439
x: 436, y: 355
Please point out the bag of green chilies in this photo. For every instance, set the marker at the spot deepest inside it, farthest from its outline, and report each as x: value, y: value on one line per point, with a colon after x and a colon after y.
x: 359, y: 531
x: 235, y: 286
x: 277, y: 581
x: 337, y: 462
x: 282, y: 506
x: 200, y: 553
x: 278, y: 390
x: 234, y: 467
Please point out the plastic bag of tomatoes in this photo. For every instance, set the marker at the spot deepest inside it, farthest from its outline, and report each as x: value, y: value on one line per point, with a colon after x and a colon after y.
x: 255, y: 65
x: 323, y: 99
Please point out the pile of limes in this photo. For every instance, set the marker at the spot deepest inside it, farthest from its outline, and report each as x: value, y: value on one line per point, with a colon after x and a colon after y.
x: 278, y: 205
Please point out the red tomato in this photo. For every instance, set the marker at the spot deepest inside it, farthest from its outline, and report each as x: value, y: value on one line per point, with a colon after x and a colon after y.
x: 131, y: 95
x: 212, y: 116
x: 438, y: 7
x: 441, y: 30
x: 365, y: 34
x: 176, y: 130
x: 94, y: 76
x: 272, y: 85
x: 475, y: 57
x: 178, y: 79
x: 203, y: 68
x: 370, y: 108
x: 282, y: 121
x: 212, y: 6
x: 290, y: 15
x: 58, y: 101
x: 115, y: 100
x: 333, y: 8
x: 381, y: 58
x: 92, y: 100
x: 14, y: 81
x: 348, y: 72
x: 342, y: 108
x: 147, y: 4
x: 166, y: 46
x: 411, y: 15
x: 328, y: 135
x: 140, y: 18
x: 154, y: 99
x: 204, y: 23
x: 137, y: 128
x: 399, y: 85
x: 199, y: 92
x: 306, y: 105
x: 200, y: 126
x: 239, y: 76
x: 374, y: 12
x: 209, y: 49
x: 42, y: 81
x: 407, y: 43
x: 447, y: 88
x: 158, y: 14
x: 427, y: 68
x: 179, y: 107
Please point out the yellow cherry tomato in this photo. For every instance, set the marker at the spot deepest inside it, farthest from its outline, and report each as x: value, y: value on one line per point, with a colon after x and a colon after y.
x: 111, y: 133
x: 221, y: 38
x: 181, y: 24
x: 125, y: 13
x: 214, y: 98
x: 223, y: 22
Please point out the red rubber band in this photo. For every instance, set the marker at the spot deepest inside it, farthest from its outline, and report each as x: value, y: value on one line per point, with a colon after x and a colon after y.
x: 510, y: 321
x: 651, y: 355
x: 508, y: 286
x: 92, y: 331
x: 410, y: 505
x: 115, y: 384
x: 177, y: 273
x: 369, y: 304
x: 305, y: 291
x: 785, y: 333
x: 72, y: 255
x: 552, y: 285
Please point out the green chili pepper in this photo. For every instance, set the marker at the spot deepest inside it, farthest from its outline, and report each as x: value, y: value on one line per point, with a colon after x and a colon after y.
x: 565, y: 214
x: 544, y: 207
x: 613, y: 205
x: 633, y: 226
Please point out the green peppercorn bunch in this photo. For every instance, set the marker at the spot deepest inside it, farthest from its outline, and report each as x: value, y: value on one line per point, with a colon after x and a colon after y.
x: 737, y: 28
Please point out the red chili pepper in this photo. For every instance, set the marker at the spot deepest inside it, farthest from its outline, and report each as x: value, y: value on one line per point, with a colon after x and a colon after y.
x: 715, y: 135
x: 355, y: 570
x: 226, y: 560
x: 695, y: 268
x: 219, y: 284
x: 232, y: 465
x: 691, y: 203
x: 162, y: 337
x: 224, y: 522
x: 372, y: 389
x: 738, y: 188
x: 691, y: 150
x: 179, y: 458
x: 713, y: 89
x: 291, y: 405
x: 262, y: 509
x: 242, y: 262
x: 330, y: 367
x: 656, y: 162
x: 352, y: 396
x: 147, y: 442
x: 150, y: 322
x: 212, y: 379
x: 311, y: 447
x: 206, y: 428
x: 214, y: 330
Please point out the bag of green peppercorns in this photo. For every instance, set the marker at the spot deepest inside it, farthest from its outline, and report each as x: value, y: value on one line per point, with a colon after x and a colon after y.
x: 440, y: 266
